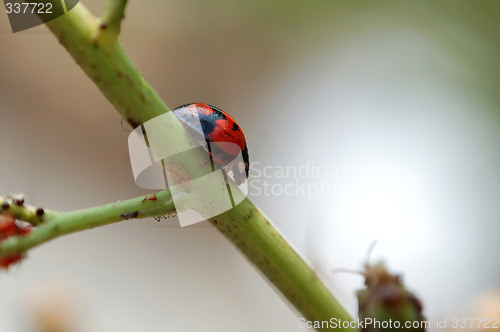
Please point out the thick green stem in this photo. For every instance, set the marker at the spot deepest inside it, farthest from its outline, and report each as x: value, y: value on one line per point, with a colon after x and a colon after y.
x: 108, y: 66
x: 262, y: 244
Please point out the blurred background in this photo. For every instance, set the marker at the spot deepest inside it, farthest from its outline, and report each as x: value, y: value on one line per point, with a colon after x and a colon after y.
x: 365, y: 120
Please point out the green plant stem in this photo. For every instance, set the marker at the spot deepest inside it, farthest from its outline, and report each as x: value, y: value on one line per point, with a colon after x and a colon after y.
x: 108, y: 66
x: 112, y: 16
x: 56, y: 224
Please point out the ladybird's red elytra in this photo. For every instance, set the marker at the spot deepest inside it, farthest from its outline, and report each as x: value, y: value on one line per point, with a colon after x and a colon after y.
x: 218, y: 128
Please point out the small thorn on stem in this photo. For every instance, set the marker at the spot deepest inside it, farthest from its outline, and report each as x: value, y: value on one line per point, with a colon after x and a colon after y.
x: 40, y: 212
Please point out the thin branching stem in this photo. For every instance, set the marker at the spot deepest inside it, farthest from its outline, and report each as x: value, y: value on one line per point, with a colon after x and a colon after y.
x: 55, y: 224
x: 112, y: 16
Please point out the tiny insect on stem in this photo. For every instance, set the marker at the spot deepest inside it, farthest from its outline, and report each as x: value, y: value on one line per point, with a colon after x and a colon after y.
x: 129, y: 215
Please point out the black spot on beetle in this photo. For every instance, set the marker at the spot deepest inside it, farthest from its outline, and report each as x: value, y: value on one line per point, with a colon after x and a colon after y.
x: 207, y: 124
x: 236, y: 127
x: 129, y: 215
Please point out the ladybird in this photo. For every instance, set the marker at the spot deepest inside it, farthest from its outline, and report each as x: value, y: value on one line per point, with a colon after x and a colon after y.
x: 217, y: 128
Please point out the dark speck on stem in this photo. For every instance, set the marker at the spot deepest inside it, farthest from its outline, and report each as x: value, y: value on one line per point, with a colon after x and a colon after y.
x: 5, y: 206
x: 129, y: 215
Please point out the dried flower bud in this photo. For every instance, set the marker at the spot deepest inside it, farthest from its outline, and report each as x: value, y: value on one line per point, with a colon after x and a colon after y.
x: 386, y: 301
x: 10, y: 227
